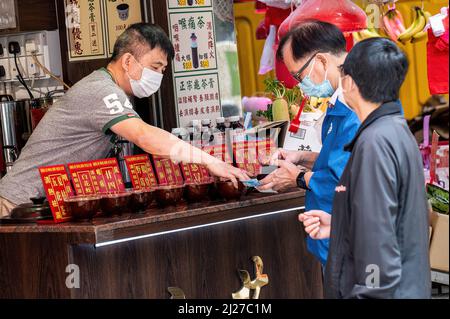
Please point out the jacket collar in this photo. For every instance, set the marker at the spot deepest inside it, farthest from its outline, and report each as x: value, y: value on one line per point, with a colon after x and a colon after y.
x: 336, y: 107
x: 386, y: 109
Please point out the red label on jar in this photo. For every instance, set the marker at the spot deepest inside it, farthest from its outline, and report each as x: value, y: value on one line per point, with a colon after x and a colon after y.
x: 141, y: 171
x: 57, y: 187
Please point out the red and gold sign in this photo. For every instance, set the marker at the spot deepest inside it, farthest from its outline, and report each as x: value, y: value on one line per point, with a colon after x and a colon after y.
x: 141, y: 171
x: 97, y: 177
x: 246, y: 156
x: 57, y: 187
x: 195, y: 173
x: 167, y: 172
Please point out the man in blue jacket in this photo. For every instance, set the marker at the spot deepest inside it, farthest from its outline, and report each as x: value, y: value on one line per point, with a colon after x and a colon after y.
x: 314, y: 53
x: 379, y: 235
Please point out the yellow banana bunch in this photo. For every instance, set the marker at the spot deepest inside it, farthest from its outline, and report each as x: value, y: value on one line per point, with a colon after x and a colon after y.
x: 422, y: 35
x: 419, y: 23
x: 366, y: 34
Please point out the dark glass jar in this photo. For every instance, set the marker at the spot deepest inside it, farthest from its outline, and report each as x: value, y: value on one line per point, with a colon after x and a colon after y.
x: 220, y: 124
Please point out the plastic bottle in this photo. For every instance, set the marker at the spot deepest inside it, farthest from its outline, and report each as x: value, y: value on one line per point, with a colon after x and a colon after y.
x: 220, y: 124
x: 206, y: 123
x: 235, y: 123
x: 181, y: 133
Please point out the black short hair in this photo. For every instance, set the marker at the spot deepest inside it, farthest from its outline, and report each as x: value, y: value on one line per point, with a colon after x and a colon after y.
x: 138, y: 37
x: 313, y: 36
x: 378, y: 67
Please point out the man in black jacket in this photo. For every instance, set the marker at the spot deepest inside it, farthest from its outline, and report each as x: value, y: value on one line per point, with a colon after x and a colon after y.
x: 379, y: 229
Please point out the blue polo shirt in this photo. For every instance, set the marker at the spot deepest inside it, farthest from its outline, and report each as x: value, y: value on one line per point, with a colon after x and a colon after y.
x: 339, y: 128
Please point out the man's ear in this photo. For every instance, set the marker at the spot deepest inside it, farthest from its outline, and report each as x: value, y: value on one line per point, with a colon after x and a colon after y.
x: 324, y: 59
x: 125, y: 61
x: 350, y: 84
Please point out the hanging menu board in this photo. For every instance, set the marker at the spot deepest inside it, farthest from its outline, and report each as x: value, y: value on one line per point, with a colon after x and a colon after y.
x: 196, y: 79
x: 120, y: 14
x: 57, y: 188
x: 85, y: 29
x: 198, y: 97
x: 193, y: 37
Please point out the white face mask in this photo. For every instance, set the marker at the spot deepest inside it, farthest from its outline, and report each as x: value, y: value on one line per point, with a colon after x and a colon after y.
x: 149, y: 83
x: 341, y: 96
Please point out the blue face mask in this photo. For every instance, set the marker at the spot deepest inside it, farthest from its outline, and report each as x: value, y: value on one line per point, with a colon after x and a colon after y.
x: 323, y: 89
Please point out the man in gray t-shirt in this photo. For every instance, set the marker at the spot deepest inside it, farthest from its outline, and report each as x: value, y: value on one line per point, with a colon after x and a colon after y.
x: 75, y: 129
x: 83, y: 124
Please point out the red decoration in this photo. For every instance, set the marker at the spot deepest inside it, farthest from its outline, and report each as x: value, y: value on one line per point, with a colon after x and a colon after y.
x: 344, y: 14
x: 437, y: 59
x: 141, y: 171
x: 261, y: 31
x: 57, y: 187
x: 283, y: 74
x: 285, y: 26
x: 276, y: 16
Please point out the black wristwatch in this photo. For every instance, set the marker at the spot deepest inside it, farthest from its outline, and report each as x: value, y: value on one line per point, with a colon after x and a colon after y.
x: 301, y: 180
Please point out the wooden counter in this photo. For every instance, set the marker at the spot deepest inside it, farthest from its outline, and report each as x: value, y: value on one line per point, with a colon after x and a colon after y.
x: 198, y: 248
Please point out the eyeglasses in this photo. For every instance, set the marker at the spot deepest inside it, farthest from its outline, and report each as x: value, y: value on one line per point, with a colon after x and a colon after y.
x: 297, y: 75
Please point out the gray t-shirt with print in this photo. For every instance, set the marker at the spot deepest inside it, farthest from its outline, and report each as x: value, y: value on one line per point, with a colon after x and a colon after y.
x: 75, y: 129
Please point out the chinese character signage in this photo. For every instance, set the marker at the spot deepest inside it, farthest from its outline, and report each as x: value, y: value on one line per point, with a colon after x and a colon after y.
x: 182, y: 4
x: 85, y: 29
x: 198, y: 97
x: 195, y: 69
x: 97, y: 177
x: 194, y: 41
x: 167, y: 172
x: 195, y: 173
x: 120, y: 14
x: 57, y: 188
x: 141, y: 171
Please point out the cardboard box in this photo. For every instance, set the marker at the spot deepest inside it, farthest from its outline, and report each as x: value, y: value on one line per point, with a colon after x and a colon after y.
x: 439, y: 242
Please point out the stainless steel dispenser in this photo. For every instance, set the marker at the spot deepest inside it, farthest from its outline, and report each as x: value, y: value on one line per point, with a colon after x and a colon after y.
x: 9, y: 140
